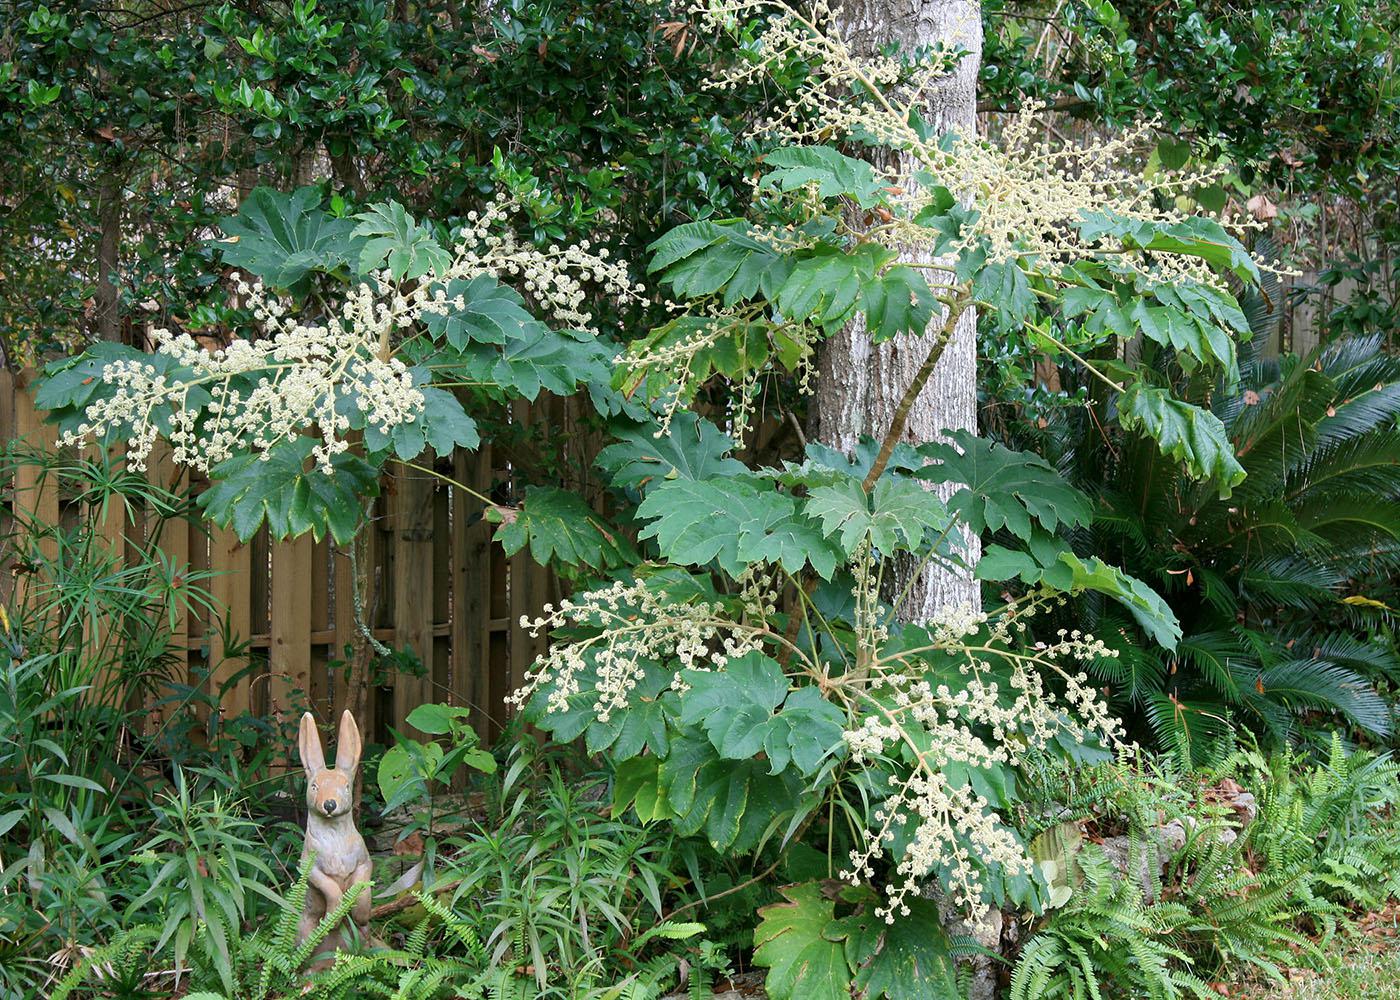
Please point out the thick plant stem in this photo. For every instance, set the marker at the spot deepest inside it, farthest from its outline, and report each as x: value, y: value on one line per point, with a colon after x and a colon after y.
x: 906, y: 403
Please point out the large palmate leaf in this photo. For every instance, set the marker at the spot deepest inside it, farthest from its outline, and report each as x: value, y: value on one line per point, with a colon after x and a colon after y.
x: 685, y: 240
x: 1194, y: 237
x: 745, y: 708
x: 734, y: 523
x: 1048, y: 560
x: 898, y: 514
x: 733, y: 705
x: 704, y: 258
x: 1190, y: 320
x: 556, y: 361
x: 532, y: 359
x: 1187, y: 433
x: 637, y: 785
x: 290, y: 493
x: 691, y: 448
x: 697, y: 522
x: 736, y: 804
x: 824, y: 288
x: 1145, y: 604
x: 491, y: 313
x: 393, y: 240
x: 791, y: 941
x: 1005, y: 288
x: 1003, y: 488
x: 897, y: 301
x: 781, y: 536
x: 560, y: 528
x: 909, y: 959
x: 832, y: 173
x: 282, y: 238
x: 822, y: 460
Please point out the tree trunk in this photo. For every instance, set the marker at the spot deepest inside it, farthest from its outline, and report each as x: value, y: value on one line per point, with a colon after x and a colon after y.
x: 861, y: 383
x: 106, y: 315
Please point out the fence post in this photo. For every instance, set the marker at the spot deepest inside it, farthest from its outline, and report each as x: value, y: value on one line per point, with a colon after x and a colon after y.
x: 471, y: 595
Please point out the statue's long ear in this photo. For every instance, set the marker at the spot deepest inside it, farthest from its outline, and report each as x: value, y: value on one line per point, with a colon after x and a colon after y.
x: 313, y: 758
x: 347, y: 750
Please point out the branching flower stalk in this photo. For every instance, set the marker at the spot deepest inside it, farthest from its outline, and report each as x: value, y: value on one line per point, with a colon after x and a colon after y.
x: 1028, y: 193
x: 900, y: 720
x: 335, y: 369
x: 636, y: 628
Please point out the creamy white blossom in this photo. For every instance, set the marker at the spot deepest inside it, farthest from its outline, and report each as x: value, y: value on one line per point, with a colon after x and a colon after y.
x: 636, y: 628
x: 252, y: 394
x: 1000, y: 707
x: 329, y: 372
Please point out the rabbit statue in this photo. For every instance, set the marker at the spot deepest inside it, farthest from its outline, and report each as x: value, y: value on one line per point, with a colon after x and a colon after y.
x: 341, y: 858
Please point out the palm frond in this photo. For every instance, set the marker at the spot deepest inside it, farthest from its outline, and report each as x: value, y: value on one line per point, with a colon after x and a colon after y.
x: 1311, y: 682
x: 1291, y: 581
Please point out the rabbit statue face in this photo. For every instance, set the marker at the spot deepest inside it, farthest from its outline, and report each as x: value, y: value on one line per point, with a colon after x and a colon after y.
x: 330, y: 790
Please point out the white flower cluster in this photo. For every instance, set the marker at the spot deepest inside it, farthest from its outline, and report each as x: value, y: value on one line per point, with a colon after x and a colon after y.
x: 829, y: 106
x: 252, y: 394
x: 638, y: 628
x: 899, y: 710
x: 301, y: 376
x: 1030, y: 192
x: 554, y: 277
x: 948, y: 818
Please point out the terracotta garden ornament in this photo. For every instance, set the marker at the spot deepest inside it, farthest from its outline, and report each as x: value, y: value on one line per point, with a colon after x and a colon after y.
x: 341, y: 858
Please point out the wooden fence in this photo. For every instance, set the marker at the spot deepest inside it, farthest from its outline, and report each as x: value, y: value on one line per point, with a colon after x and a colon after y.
x: 438, y: 586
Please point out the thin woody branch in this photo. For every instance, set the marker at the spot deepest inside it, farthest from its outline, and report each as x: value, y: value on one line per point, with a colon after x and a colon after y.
x: 906, y: 402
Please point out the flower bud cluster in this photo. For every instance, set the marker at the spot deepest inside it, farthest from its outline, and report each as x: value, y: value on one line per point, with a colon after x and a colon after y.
x: 325, y: 376
x: 1000, y: 709
x: 250, y: 395
x: 1028, y: 193
x: 555, y: 277
x: 634, y: 628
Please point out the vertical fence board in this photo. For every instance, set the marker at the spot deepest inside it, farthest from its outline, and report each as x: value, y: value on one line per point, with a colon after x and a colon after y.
x: 434, y: 582
x: 343, y: 637
x: 7, y: 405
x: 318, y: 693
x: 441, y: 665
x: 231, y: 562
x: 35, y: 494
x: 412, y: 517
x: 289, y: 633
x: 471, y: 589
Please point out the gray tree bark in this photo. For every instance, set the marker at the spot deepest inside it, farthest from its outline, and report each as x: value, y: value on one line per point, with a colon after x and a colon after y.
x: 861, y: 383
